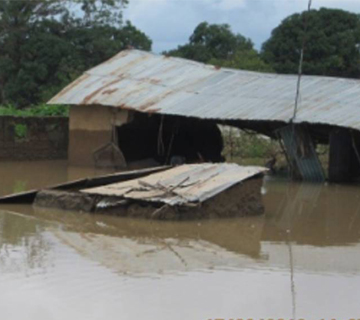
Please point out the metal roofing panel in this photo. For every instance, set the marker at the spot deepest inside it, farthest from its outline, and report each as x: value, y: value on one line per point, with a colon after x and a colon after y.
x: 191, y: 183
x: 147, y: 82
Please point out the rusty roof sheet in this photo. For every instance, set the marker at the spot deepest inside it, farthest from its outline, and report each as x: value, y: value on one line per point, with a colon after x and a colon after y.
x: 184, y: 184
x: 147, y: 82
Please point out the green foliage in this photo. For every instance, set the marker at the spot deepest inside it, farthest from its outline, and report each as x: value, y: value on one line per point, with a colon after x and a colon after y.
x: 332, y: 45
x: 248, y: 146
x: 19, y: 186
x: 217, y: 44
x: 82, y: 12
x: 45, y: 110
x: 35, y: 111
x: 245, y: 60
x: 101, y: 12
x: 20, y: 131
x: 44, y: 45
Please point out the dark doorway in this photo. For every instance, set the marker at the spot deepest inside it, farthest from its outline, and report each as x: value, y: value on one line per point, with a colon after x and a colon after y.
x: 170, y: 138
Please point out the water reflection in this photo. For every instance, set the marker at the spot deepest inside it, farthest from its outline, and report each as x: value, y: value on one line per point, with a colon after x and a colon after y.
x: 146, y: 247
x: 23, y: 244
x: 22, y: 176
x: 317, y: 215
x: 300, y: 259
x: 306, y: 216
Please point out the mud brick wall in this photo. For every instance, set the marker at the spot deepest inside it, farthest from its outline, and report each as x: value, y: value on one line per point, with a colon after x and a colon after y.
x: 33, y: 138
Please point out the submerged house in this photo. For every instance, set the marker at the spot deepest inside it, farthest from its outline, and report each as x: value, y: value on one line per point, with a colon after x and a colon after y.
x: 139, y: 105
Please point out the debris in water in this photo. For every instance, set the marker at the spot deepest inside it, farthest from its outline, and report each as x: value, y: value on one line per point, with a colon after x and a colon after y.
x: 183, y: 192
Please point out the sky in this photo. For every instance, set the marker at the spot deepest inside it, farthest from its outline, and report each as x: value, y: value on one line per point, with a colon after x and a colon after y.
x: 170, y: 23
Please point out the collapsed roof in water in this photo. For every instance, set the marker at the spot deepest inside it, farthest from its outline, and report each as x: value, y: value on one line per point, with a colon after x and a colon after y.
x: 146, y: 82
x: 192, y: 183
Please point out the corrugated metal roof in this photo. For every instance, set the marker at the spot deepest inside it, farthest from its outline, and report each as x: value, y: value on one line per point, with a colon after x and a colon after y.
x: 147, y: 82
x: 192, y: 183
x: 301, y: 153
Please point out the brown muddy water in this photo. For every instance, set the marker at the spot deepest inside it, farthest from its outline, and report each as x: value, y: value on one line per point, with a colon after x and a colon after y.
x: 299, y: 260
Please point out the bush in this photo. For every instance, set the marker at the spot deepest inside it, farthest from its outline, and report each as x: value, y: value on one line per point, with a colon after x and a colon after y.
x: 244, y: 145
x: 20, y: 131
x: 43, y: 110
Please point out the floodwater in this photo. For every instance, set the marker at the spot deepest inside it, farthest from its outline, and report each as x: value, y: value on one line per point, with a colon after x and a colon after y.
x: 299, y: 260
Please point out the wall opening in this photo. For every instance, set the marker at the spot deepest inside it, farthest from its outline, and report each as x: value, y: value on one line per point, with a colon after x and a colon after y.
x: 170, y: 139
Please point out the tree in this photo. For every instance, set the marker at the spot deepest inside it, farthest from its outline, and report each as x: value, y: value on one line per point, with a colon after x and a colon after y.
x: 217, y: 44
x: 332, y: 44
x: 15, y: 13
x: 101, y: 12
x: 244, y: 60
x: 44, y: 45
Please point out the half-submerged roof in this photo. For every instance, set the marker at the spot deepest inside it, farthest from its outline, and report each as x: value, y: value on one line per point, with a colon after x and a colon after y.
x: 193, y: 183
x: 151, y: 83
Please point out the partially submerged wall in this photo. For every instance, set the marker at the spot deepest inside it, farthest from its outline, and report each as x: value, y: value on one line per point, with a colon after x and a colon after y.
x: 33, y: 138
x: 91, y: 129
x: 243, y: 199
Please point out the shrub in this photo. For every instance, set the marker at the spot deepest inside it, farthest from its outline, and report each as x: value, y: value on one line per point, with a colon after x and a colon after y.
x: 43, y: 110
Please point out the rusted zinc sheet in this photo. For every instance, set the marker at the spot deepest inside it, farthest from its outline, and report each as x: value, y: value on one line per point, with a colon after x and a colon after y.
x: 147, y: 82
x: 185, y: 184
